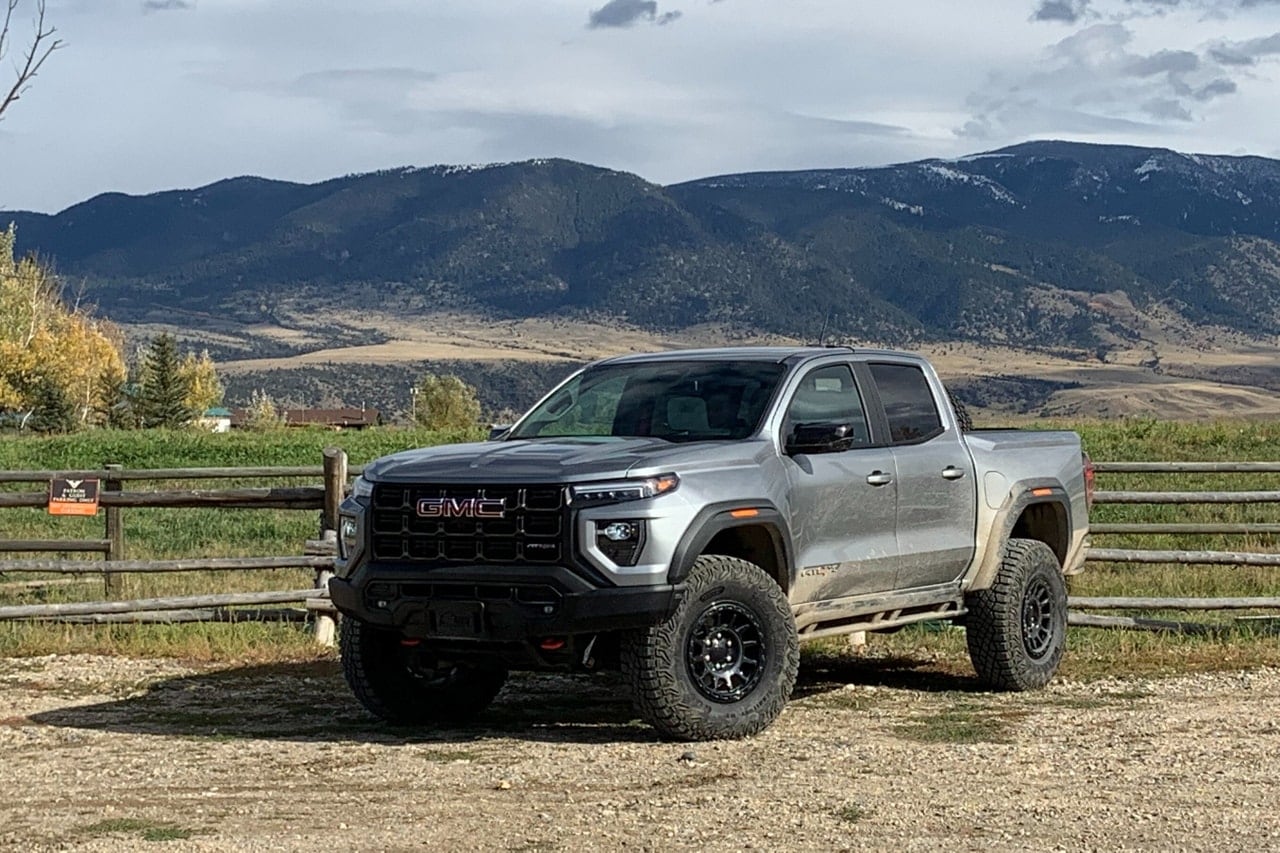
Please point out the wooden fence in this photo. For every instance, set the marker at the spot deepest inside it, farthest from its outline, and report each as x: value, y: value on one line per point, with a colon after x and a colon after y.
x: 334, y: 473
x: 114, y: 498
x: 1179, y: 557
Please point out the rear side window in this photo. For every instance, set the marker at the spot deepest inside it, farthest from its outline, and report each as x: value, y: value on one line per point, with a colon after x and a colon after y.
x: 908, y: 403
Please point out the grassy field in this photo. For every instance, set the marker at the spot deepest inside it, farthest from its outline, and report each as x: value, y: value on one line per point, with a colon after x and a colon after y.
x: 157, y: 533
x: 173, y: 533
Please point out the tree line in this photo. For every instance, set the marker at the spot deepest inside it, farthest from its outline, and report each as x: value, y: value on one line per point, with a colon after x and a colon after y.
x: 63, y: 369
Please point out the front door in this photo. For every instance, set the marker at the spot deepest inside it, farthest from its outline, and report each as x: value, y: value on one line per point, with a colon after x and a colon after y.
x: 842, y: 504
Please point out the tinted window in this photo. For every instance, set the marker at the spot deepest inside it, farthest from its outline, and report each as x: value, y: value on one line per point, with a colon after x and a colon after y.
x: 675, y: 400
x: 828, y: 395
x: 908, y: 402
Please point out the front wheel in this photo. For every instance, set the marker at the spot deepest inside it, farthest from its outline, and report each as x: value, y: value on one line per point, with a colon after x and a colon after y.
x: 1017, y: 628
x: 405, y: 685
x: 724, y: 664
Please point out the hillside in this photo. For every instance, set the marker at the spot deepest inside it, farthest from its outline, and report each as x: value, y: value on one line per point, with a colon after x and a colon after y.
x: 1099, y: 254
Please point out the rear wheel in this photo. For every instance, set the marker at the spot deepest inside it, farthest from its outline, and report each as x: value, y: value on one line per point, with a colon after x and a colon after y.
x: 724, y: 664
x: 405, y: 685
x: 1017, y: 628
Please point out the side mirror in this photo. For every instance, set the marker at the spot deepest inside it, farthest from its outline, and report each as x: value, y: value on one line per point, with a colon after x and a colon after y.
x: 498, y: 431
x: 819, y: 438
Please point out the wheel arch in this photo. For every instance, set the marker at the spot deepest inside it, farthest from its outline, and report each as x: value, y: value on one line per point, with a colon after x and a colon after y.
x: 1035, y: 511
x: 751, y: 531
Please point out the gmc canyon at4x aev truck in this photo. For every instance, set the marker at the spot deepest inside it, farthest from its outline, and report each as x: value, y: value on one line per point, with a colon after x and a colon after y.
x: 689, y: 517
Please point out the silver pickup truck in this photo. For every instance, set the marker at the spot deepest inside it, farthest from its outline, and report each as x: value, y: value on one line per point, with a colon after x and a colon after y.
x: 688, y: 518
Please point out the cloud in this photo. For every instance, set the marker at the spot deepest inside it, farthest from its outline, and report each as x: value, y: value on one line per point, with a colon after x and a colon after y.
x: 1214, y: 88
x: 625, y: 13
x: 1069, y: 11
x: 1093, y: 81
x: 168, y: 5
x: 1172, y: 61
x: 321, y: 82
x: 377, y: 99
x: 622, y: 13
x: 1166, y: 108
x: 1243, y: 53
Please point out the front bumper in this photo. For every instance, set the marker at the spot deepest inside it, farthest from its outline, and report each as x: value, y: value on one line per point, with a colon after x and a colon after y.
x: 496, y: 604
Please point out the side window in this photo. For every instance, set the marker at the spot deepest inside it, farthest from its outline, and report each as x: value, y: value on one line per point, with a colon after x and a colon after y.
x: 828, y: 395
x: 908, y: 403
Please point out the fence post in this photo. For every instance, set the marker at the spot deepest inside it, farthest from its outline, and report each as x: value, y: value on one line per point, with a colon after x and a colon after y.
x: 113, y: 583
x: 335, y: 488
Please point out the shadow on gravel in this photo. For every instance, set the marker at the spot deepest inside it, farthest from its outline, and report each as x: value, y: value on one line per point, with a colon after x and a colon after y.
x: 822, y: 673
x: 310, y: 702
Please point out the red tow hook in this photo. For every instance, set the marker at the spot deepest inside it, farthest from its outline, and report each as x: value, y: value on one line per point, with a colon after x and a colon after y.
x: 551, y: 644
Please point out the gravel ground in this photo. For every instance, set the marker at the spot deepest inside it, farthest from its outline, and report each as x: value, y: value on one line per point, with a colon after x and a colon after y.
x: 104, y: 753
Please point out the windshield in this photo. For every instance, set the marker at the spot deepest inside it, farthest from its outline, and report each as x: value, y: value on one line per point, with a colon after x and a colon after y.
x: 673, y: 400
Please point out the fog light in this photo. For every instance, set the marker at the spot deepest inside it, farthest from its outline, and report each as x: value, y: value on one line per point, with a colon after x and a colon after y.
x: 620, y: 531
x: 348, y: 531
x: 621, y: 541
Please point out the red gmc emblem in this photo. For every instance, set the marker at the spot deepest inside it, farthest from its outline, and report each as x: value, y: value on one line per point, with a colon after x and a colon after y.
x: 462, y: 508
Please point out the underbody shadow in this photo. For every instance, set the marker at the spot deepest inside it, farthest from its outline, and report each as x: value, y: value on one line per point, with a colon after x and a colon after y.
x: 823, y: 672
x: 309, y: 701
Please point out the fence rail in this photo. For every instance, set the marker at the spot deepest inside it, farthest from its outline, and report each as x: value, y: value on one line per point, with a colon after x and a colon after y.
x: 334, y: 474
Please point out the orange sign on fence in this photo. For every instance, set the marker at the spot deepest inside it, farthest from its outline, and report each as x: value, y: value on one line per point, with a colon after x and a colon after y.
x: 73, y: 497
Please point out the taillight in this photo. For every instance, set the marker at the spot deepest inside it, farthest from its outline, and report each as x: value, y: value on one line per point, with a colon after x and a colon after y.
x: 1088, y: 479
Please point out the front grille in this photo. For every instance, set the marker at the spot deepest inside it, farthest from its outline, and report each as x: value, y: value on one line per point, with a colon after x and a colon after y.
x: 452, y: 525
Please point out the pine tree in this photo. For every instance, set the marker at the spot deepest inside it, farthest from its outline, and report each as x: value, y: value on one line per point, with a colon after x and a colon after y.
x: 114, y: 409
x: 52, y: 411
x: 162, y: 396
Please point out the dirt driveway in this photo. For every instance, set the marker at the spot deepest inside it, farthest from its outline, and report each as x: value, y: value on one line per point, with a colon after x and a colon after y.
x: 103, y: 753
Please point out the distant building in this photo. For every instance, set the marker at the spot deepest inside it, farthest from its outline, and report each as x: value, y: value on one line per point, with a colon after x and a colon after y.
x: 336, y: 419
x: 216, y: 420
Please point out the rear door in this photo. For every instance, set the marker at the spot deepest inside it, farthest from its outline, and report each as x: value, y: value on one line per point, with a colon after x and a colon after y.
x: 937, y: 496
x: 842, y: 504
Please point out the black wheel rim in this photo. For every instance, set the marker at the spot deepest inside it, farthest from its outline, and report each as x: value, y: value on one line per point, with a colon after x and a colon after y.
x: 1038, y: 618
x: 726, y: 652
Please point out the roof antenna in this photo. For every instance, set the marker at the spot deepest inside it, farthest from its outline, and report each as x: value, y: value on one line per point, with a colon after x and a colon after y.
x: 822, y: 336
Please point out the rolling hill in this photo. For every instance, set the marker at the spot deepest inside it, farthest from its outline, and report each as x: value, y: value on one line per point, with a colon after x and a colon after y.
x: 1094, y: 252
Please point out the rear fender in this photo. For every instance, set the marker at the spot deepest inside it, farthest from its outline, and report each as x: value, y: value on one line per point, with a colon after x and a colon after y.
x: 1033, y: 509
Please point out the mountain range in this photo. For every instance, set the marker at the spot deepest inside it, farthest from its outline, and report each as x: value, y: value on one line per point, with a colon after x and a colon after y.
x: 1044, y: 244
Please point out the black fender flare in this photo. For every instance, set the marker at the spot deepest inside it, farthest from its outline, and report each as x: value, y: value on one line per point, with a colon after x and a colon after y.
x: 1022, y: 494
x: 716, y: 518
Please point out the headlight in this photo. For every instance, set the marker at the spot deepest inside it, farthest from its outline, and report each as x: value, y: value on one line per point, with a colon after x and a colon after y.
x: 348, y: 536
x: 618, y: 491
x: 361, y: 488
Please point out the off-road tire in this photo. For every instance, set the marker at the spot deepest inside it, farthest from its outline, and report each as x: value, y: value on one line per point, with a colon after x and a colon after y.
x: 678, y: 689
x: 398, y: 683
x: 1017, y: 628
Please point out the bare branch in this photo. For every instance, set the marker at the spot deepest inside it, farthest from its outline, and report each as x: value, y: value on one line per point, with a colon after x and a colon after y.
x: 42, y: 45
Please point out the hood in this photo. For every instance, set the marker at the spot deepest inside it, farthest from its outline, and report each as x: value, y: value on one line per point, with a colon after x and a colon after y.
x: 562, y: 460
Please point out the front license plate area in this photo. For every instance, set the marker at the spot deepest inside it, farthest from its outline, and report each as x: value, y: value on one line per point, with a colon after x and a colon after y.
x: 457, y: 620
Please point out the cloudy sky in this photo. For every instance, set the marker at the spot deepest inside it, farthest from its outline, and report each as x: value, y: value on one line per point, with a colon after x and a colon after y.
x: 161, y: 94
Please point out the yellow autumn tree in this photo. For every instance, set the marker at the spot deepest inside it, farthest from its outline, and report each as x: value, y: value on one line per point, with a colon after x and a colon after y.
x: 201, y: 377
x: 445, y: 402
x: 45, y: 342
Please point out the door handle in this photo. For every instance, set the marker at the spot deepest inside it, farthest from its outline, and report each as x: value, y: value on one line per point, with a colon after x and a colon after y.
x: 951, y: 472
x: 879, y: 478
